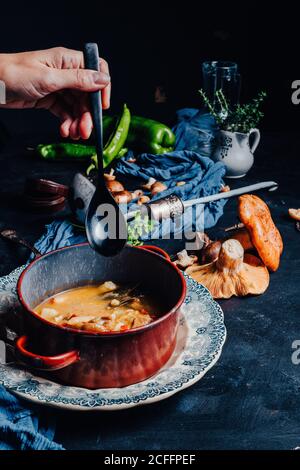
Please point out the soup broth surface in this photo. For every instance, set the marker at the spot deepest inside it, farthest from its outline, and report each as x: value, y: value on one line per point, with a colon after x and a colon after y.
x: 104, y: 307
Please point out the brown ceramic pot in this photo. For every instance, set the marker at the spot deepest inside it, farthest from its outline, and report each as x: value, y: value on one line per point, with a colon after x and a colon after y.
x: 99, y: 360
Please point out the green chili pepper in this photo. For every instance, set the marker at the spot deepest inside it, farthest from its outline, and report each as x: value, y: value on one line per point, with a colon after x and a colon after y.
x: 118, y: 138
x: 122, y: 152
x: 147, y: 135
x: 65, y: 151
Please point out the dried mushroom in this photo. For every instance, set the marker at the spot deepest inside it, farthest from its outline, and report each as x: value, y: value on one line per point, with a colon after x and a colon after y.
x: 256, y: 217
x: 158, y: 187
x: 143, y: 200
x: 211, y: 252
x: 110, y: 176
x: 122, y: 197
x: 147, y: 186
x: 294, y: 214
x: 137, y: 193
x: 114, y: 186
x: 225, y: 189
x: 232, y: 273
x: 185, y: 260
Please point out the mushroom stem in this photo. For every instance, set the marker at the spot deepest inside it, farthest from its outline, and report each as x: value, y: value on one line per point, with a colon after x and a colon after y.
x: 231, y: 256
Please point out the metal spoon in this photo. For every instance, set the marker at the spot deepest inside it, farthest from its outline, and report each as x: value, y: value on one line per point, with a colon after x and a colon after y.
x: 105, y: 224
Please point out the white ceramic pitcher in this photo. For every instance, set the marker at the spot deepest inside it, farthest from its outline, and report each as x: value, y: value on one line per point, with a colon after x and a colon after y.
x: 235, y: 151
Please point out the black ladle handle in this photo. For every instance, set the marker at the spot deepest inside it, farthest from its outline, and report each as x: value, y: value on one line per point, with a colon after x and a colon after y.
x: 91, y: 62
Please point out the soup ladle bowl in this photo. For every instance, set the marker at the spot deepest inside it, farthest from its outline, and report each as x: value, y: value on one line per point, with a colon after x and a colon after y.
x: 105, y: 224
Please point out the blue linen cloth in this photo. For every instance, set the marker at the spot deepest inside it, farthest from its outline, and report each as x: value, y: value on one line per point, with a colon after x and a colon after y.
x: 195, y: 136
x: 201, y: 176
x: 196, y: 130
x: 21, y: 427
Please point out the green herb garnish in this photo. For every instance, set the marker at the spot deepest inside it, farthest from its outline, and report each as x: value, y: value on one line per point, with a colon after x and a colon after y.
x: 140, y: 226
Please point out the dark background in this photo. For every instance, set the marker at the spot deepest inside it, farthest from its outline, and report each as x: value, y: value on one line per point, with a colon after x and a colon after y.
x: 150, y: 43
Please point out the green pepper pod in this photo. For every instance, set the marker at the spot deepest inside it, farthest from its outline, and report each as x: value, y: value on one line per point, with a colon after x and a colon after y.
x: 65, y: 151
x: 118, y: 138
x: 147, y: 135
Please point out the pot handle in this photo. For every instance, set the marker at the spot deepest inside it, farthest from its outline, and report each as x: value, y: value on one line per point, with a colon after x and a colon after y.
x: 44, y: 362
x: 156, y: 250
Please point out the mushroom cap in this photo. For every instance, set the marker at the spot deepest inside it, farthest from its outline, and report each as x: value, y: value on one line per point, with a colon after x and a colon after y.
x: 243, y: 236
x: 255, y: 215
x: 122, y: 197
x: 114, y: 186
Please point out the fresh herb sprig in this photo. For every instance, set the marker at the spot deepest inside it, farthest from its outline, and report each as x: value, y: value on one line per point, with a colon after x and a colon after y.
x: 141, y: 225
x: 239, y: 118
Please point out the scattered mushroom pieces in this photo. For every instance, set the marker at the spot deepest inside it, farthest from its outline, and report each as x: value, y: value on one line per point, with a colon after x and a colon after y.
x: 158, y: 188
x: 184, y: 260
x: 232, y: 273
x: 294, y: 214
x: 137, y: 194
x: 256, y: 217
x: 122, y: 197
x: 114, y: 186
x: 143, y: 200
x: 147, y: 186
x: 211, y: 252
x: 225, y: 189
x: 110, y: 176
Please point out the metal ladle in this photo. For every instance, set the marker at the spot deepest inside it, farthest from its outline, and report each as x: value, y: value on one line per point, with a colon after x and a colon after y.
x: 105, y: 224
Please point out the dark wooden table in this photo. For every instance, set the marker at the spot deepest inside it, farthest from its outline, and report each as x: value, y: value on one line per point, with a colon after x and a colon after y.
x: 251, y: 398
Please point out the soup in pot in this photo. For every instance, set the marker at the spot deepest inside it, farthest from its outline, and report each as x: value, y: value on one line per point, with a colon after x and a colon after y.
x: 99, y: 308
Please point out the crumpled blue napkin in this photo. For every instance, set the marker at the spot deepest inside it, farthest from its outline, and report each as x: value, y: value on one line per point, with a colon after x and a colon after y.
x: 21, y: 428
x: 195, y: 136
x: 201, y: 176
x: 196, y: 130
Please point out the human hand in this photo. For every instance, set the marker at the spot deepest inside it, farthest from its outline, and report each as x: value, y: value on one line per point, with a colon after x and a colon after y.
x: 55, y: 79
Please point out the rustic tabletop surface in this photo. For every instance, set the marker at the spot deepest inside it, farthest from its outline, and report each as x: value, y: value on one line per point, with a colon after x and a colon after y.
x: 251, y: 398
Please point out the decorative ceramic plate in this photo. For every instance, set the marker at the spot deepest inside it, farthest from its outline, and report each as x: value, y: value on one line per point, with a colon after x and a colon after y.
x: 201, y: 336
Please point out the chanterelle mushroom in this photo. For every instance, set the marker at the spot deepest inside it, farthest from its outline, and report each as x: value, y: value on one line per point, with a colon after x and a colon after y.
x: 232, y: 273
x: 256, y: 217
x: 243, y: 236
